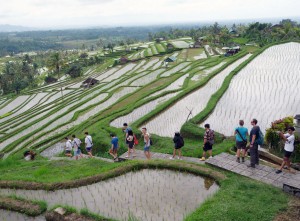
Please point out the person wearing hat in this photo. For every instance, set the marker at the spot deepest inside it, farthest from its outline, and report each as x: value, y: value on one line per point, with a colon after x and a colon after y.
x: 289, y: 139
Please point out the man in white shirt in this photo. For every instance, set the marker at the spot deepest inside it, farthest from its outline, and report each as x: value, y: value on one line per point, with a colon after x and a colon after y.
x: 68, y: 147
x: 88, y: 144
x: 289, y: 139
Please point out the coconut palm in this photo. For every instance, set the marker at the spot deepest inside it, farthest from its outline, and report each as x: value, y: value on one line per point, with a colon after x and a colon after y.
x: 55, y: 63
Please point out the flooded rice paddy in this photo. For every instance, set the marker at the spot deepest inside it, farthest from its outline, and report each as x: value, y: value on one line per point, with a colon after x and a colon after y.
x: 171, y: 120
x: 146, y: 194
x: 14, y: 216
x: 266, y: 89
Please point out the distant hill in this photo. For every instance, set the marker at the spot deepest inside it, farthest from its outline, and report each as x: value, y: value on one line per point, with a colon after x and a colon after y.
x: 14, y: 28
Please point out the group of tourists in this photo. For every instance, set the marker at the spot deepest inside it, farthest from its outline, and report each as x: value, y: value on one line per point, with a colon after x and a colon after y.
x: 241, y: 134
x: 255, y: 139
x: 74, y: 144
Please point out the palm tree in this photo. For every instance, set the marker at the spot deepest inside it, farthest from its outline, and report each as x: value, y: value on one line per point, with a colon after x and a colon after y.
x: 55, y: 64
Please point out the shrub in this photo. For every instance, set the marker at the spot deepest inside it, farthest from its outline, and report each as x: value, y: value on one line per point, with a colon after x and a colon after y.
x: 272, y: 137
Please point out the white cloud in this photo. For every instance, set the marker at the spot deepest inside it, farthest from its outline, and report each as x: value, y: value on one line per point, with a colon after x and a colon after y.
x: 55, y: 13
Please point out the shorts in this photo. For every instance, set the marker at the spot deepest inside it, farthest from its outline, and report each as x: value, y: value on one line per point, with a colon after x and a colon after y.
x: 114, y: 149
x: 68, y: 151
x: 241, y: 145
x: 146, y: 148
x: 287, y: 154
x: 207, y: 146
x: 77, y: 153
x: 88, y: 149
x: 177, y: 148
x: 130, y: 145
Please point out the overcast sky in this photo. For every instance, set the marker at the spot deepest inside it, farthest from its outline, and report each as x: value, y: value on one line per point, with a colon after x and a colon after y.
x: 64, y: 13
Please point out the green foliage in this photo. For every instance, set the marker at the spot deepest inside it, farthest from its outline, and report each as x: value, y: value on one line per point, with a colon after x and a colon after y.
x: 240, y: 199
x: 85, y: 212
x: 240, y: 41
x: 192, y: 131
x: 272, y: 137
x: 5, y: 115
x: 74, y: 71
x: 44, y: 171
x: 275, y: 143
x: 19, y: 204
x: 17, y: 76
x: 265, y: 33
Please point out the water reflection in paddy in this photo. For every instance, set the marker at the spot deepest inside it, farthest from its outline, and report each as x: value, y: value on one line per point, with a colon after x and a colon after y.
x: 146, y: 194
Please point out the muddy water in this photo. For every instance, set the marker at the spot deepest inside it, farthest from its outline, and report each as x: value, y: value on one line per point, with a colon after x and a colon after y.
x: 146, y: 194
x: 14, y: 216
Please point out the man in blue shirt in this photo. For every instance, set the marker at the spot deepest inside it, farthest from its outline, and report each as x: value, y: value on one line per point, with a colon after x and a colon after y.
x: 114, y: 146
x: 241, y: 134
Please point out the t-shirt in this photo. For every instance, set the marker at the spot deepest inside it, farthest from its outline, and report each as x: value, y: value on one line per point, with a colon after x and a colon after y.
x: 243, y: 131
x: 114, y: 142
x: 289, y: 144
x: 88, y: 140
x: 69, y: 145
x: 254, y: 131
x: 127, y: 129
x: 209, y: 135
x: 76, y: 143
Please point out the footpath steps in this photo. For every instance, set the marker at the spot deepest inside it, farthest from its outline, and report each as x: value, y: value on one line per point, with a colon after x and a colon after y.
x: 263, y: 173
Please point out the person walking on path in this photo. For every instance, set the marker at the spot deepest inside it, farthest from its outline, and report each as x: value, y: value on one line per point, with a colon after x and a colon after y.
x: 289, y: 139
x: 68, y: 147
x: 209, y: 137
x: 241, y: 134
x: 113, y: 151
x: 147, y: 142
x: 126, y: 129
x: 130, y: 142
x: 178, y: 143
x: 254, y: 135
x: 88, y: 144
x: 76, y: 146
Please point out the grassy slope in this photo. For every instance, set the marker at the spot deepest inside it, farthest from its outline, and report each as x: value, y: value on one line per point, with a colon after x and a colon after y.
x: 242, y: 199
x: 51, y: 171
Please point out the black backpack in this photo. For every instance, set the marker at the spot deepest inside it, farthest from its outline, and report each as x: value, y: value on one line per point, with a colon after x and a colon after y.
x: 180, y: 142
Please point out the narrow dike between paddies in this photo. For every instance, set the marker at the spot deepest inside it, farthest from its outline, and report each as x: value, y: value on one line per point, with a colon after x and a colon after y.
x: 172, y: 119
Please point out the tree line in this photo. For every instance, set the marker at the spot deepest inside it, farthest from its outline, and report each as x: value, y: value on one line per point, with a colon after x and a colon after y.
x: 260, y: 33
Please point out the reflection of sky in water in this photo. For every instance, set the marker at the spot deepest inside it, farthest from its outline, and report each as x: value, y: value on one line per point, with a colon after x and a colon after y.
x: 147, y: 194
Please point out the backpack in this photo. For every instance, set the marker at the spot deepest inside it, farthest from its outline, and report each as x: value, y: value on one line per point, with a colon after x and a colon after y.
x: 260, y: 138
x: 180, y: 142
x: 211, y: 137
x: 151, y: 142
x: 135, y: 140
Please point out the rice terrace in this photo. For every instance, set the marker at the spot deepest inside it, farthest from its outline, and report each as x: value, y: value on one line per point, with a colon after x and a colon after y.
x: 149, y: 122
